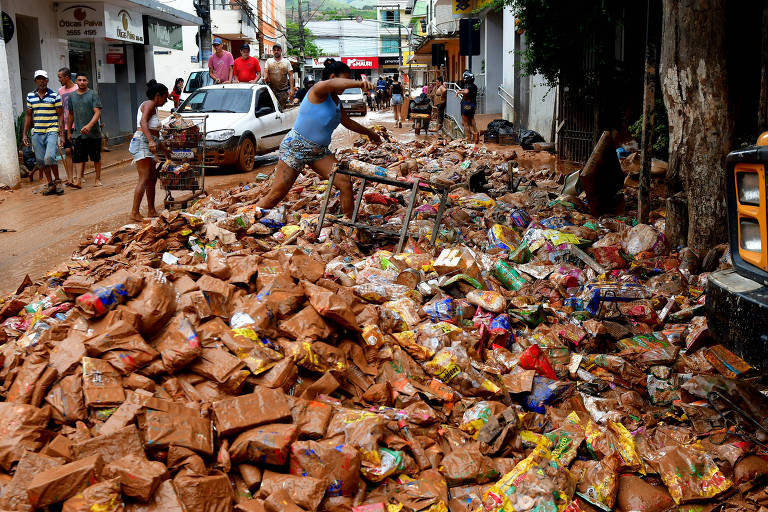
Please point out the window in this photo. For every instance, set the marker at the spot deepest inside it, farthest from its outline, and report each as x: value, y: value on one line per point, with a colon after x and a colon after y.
x: 264, y: 101
x: 390, y: 18
x: 218, y: 100
x: 389, y: 44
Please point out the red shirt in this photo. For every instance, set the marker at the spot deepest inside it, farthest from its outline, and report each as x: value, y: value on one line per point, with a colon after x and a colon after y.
x: 246, y: 70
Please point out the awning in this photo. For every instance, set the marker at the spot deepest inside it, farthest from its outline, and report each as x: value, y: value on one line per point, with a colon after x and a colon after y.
x: 160, y: 10
x: 425, y: 48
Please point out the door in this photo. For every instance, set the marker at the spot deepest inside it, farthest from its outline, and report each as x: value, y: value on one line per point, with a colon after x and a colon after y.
x: 30, y: 59
x: 269, y: 123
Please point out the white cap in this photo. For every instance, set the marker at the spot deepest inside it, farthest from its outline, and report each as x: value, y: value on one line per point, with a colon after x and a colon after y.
x: 41, y: 72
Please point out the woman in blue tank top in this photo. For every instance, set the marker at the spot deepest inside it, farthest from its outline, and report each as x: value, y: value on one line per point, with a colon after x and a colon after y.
x: 307, y: 143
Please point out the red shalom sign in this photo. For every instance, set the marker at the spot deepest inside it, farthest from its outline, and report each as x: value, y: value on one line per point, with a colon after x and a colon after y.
x: 361, y: 62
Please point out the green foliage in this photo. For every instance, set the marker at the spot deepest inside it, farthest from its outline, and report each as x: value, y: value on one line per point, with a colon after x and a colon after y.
x: 19, y: 125
x: 292, y: 34
x: 557, y: 33
x: 660, y: 130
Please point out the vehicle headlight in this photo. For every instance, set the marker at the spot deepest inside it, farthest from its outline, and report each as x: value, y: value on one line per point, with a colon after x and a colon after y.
x: 748, y: 186
x: 219, y: 135
x: 749, y: 235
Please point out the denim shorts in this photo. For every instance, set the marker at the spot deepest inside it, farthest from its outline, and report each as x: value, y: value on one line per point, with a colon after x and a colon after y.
x: 44, y: 145
x: 139, y: 147
x: 397, y: 99
x: 297, y: 151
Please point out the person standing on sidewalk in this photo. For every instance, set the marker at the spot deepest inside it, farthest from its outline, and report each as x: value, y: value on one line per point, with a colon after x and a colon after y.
x: 67, y: 87
x: 278, y: 73
x: 439, y: 95
x: 468, y: 107
x: 83, y: 128
x: 43, y: 111
x: 246, y: 68
x: 220, y: 63
x: 143, y: 147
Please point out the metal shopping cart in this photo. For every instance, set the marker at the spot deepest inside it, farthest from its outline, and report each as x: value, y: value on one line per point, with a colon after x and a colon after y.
x: 183, y: 138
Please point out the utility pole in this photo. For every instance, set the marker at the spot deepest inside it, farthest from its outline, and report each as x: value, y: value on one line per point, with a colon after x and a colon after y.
x: 203, y: 9
x: 302, y: 59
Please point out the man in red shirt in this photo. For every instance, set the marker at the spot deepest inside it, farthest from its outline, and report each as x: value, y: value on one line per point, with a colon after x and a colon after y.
x: 246, y: 68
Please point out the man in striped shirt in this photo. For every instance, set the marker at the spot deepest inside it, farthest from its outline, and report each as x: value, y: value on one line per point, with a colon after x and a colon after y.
x: 44, y: 112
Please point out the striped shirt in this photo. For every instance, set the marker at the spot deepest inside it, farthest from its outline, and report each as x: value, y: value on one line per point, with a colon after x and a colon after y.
x: 43, y: 110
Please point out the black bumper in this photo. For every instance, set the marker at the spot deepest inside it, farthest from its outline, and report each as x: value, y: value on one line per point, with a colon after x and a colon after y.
x: 737, y: 315
x: 222, y: 153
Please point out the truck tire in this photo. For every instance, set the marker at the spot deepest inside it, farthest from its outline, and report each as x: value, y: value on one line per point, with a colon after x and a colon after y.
x: 246, y: 155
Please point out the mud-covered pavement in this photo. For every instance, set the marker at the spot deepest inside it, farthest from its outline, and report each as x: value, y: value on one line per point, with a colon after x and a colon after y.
x: 49, y: 228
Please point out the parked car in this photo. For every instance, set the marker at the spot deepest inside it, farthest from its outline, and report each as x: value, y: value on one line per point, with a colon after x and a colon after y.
x: 244, y: 120
x: 353, y: 100
x: 197, y: 78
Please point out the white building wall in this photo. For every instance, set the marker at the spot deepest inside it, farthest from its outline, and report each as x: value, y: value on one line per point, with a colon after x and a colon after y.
x: 53, y: 51
x: 508, y: 63
x: 178, y: 63
x: 541, y: 108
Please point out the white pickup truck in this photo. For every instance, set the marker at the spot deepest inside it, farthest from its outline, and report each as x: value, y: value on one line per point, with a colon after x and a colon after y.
x: 244, y: 120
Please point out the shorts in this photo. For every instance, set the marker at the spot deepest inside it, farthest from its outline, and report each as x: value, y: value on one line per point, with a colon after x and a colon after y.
x: 67, y: 143
x: 397, y: 99
x: 470, y: 111
x: 84, y: 148
x: 44, y: 145
x: 297, y: 151
x: 139, y: 147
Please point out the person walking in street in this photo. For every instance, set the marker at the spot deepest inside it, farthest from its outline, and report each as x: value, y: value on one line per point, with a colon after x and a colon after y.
x: 67, y: 87
x: 83, y: 129
x: 220, y: 63
x: 278, y: 73
x: 307, y: 143
x: 396, y: 92
x: 246, y: 69
x: 468, y: 107
x: 43, y: 113
x: 178, y: 87
x: 143, y: 147
x: 439, y: 98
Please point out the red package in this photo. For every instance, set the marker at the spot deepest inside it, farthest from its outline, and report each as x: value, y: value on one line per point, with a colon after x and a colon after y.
x: 533, y: 359
x: 377, y: 198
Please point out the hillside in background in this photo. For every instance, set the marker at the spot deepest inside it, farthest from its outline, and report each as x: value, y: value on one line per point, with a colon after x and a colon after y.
x: 333, y: 9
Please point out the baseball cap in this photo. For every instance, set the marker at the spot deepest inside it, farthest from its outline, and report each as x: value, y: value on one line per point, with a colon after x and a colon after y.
x: 245, y: 46
x: 216, y: 40
x: 41, y: 72
x: 276, y: 46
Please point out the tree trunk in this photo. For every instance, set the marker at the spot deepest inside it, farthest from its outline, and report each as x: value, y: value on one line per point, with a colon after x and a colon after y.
x: 693, y: 80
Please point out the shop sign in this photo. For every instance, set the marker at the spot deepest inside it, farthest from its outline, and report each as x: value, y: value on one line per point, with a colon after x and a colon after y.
x: 115, y: 54
x: 361, y: 62
x: 122, y: 24
x: 319, y: 63
x: 8, y: 28
x: 163, y: 33
x: 389, y: 61
x: 461, y: 7
x: 79, y: 21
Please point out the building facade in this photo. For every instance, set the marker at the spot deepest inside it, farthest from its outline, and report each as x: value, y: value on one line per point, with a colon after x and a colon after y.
x: 113, y: 42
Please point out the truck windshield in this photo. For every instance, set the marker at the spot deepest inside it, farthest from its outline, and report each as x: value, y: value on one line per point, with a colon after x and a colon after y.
x: 353, y: 90
x: 218, y: 100
x: 196, y: 80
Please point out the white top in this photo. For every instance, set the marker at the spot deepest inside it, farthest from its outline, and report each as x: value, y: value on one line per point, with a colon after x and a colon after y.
x: 154, y: 121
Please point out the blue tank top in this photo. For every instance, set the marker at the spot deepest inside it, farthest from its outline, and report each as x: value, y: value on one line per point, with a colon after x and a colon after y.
x: 317, y: 122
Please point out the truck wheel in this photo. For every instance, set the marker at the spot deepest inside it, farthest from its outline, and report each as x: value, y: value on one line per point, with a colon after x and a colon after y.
x: 247, y: 156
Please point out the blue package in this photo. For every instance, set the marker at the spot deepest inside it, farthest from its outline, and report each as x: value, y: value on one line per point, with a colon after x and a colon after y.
x: 544, y: 392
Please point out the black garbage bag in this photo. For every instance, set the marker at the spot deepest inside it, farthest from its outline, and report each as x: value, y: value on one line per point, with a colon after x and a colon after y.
x: 529, y: 137
x: 28, y: 155
x: 500, y: 126
x: 421, y: 105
